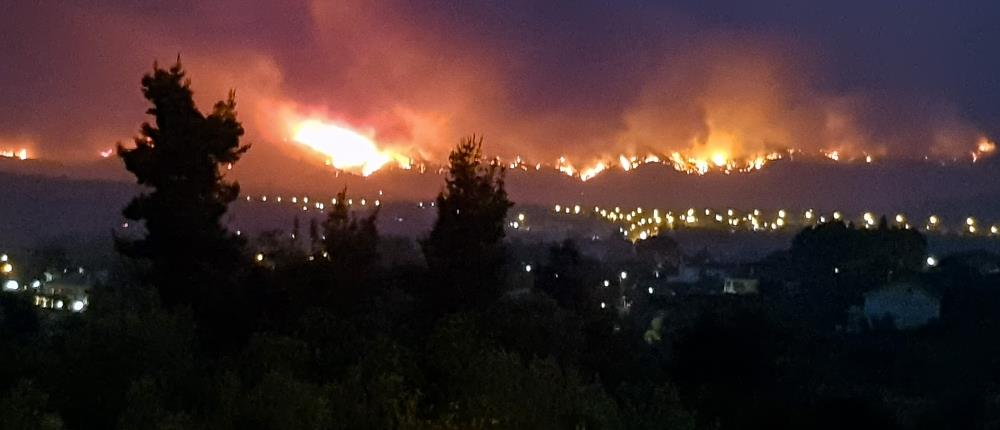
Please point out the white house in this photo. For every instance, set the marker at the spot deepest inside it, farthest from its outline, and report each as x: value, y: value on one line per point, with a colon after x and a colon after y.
x: 741, y: 286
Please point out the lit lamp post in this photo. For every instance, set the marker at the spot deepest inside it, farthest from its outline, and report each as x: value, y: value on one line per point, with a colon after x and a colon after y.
x: 621, y: 291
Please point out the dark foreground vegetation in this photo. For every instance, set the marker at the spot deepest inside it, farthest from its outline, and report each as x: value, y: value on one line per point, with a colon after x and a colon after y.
x: 198, y: 329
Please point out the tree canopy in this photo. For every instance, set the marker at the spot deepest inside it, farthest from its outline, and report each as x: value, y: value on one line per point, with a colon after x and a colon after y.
x: 348, y: 241
x: 465, y: 247
x: 182, y: 157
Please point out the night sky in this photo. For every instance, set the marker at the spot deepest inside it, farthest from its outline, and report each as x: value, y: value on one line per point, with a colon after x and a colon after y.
x: 540, y: 79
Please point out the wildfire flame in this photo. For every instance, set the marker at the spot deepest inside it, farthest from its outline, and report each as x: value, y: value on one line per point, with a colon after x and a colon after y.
x: 590, y: 172
x: 717, y: 161
x: 984, y: 148
x: 350, y: 149
x: 21, y: 154
x: 346, y: 149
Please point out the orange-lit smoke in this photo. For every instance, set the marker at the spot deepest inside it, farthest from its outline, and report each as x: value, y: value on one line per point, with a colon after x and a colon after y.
x: 378, y: 86
x: 730, y: 103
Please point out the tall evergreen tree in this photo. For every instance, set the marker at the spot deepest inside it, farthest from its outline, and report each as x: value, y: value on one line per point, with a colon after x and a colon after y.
x: 465, y: 247
x: 350, y: 242
x: 181, y: 157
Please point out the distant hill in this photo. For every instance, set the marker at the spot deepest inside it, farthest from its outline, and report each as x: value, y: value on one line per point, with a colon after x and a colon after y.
x: 47, y: 199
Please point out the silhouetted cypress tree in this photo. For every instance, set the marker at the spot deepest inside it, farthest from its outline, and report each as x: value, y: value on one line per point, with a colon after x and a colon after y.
x: 181, y: 158
x: 465, y: 247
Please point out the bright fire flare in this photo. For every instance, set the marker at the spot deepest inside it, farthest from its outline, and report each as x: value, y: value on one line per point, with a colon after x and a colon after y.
x: 592, y: 171
x: 719, y: 159
x: 346, y: 148
x: 985, y: 146
x: 21, y: 154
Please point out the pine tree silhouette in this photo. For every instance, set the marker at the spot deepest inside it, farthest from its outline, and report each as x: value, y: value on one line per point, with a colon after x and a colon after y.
x: 465, y: 248
x: 180, y: 158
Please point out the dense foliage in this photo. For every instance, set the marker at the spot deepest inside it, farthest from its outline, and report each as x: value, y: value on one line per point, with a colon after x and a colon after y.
x: 181, y: 158
x: 465, y: 248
